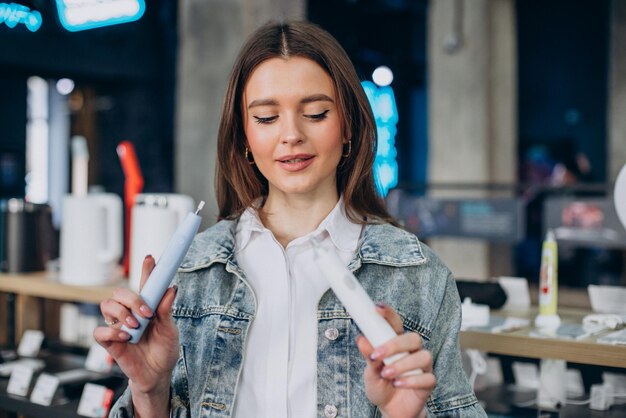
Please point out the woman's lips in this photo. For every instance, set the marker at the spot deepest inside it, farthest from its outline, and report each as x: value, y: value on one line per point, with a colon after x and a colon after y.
x: 296, y: 163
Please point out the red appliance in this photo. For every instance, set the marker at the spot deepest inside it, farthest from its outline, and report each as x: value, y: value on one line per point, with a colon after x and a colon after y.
x: 133, y: 185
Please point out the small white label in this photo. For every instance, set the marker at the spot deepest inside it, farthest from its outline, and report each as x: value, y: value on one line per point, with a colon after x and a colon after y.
x: 44, y: 389
x: 19, y: 383
x: 30, y: 343
x: 98, y: 359
x: 95, y: 401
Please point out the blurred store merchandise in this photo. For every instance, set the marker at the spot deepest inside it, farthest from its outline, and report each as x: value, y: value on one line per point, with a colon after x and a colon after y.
x: 68, y: 318
x: 91, y: 239
x: 155, y: 217
x: 77, y: 322
x: 497, y: 219
x: 88, y: 319
x: 517, y: 293
x: 133, y: 185
x: 28, y: 237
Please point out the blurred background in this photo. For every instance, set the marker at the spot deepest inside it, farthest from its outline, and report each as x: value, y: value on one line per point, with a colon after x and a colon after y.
x: 498, y: 120
x: 496, y: 115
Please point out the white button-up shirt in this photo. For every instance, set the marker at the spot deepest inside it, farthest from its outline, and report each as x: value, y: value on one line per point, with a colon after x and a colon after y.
x: 279, y: 369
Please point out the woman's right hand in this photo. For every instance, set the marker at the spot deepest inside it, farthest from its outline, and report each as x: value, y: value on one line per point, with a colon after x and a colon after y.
x: 149, y: 363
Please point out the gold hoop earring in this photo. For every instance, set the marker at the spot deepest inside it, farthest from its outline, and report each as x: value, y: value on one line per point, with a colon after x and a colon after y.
x: 347, y: 154
x: 248, y: 154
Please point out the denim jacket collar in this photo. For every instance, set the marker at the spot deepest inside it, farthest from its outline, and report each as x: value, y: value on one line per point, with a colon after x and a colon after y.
x: 380, y: 245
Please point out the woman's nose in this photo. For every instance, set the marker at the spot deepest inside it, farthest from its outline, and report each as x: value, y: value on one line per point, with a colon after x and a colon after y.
x: 291, y: 133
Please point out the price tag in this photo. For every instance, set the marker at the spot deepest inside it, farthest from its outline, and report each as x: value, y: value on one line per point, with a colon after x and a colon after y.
x: 19, y: 382
x: 30, y: 343
x: 98, y: 359
x: 95, y: 401
x: 44, y: 389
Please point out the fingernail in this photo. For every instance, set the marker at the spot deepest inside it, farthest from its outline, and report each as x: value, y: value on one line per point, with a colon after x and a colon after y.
x: 124, y: 335
x: 175, y: 289
x: 381, y: 305
x: 399, y: 383
x: 148, y: 256
x: 388, y: 372
x: 378, y: 353
x: 131, y: 321
x: 146, y: 311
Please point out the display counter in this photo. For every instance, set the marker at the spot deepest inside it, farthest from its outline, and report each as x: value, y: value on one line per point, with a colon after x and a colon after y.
x: 521, y: 342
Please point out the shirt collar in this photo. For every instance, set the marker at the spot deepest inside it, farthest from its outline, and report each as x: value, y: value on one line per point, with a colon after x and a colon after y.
x: 342, y: 231
x: 248, y: 222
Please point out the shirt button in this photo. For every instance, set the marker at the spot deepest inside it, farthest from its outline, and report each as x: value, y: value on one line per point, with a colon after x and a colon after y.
x: 331, y: 333
x: 330, y: 411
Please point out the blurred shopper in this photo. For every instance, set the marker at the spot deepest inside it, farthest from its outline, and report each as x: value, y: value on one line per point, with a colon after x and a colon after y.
x: 251, y: 329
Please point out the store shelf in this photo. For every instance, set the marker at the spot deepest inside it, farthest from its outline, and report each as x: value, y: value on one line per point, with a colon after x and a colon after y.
x: 522, y: 343
x: 26, y: 295
x: 38, y: 285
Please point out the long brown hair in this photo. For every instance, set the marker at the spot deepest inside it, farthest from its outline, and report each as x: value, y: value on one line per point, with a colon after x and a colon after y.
x: 239, y: 184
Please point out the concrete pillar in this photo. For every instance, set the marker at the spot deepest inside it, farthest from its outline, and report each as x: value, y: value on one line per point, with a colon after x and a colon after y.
x: 617, y: 91
x: 210, y: 35
x: 472, y: 114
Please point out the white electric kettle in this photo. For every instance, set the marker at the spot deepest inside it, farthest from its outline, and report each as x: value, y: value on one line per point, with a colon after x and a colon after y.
x: 91, y: 239
x: 155, y: 217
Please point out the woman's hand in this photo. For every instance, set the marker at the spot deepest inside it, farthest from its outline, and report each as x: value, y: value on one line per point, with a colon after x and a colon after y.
x: 395, y: 395
x: 149, y: 363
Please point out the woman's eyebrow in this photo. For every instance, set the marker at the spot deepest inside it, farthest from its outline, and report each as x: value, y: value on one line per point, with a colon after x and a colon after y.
x: 308, y: 99
x: 316, y: 98
x: 262, y: 102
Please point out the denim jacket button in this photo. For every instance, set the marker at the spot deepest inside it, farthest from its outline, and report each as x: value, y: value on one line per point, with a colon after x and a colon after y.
x: 331, y: 333
x: 330, y: 411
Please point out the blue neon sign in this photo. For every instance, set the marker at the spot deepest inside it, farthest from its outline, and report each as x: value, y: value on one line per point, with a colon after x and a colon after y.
x: 383, y: 103
x: 77, y: 15
x: 12, y: 14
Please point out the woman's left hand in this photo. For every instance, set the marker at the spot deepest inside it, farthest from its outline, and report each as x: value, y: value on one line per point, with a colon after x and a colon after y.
x: 395, y: 395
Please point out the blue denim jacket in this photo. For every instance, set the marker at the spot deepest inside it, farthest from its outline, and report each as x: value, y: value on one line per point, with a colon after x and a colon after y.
x: 214, y: 308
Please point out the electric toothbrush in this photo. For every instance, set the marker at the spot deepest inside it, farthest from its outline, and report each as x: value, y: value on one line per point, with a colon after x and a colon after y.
x: 165, y: 269
x: 357, y: 302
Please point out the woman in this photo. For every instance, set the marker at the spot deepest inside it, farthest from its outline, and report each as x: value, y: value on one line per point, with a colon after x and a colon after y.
x: 256, y: 332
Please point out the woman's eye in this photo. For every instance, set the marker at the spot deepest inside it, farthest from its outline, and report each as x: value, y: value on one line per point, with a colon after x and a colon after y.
x: 261, y: 120
x: 318, y: 116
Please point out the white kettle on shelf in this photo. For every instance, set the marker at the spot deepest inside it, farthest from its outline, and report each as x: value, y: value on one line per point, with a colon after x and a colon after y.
x: 155, y: 217
x: 91, y: 239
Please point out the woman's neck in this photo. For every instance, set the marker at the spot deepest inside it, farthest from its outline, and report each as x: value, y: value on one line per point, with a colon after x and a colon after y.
x: 291, y: 217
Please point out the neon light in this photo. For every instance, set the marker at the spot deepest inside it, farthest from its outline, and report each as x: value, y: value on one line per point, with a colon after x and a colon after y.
x: 12, y: 14
x: 383, y: 103
x: 76, y: 15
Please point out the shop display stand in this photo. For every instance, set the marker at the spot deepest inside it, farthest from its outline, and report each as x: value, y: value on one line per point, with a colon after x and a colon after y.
x: 67, y: 396
x: 25, y: 295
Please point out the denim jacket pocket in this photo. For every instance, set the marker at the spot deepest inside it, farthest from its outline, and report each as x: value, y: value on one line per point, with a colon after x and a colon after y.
x: 411, y: 324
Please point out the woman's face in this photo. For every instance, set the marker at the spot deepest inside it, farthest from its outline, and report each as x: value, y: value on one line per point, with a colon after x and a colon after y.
x: 293, y: 126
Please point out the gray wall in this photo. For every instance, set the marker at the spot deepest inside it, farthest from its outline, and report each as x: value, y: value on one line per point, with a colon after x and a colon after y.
x: 472, y: 115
